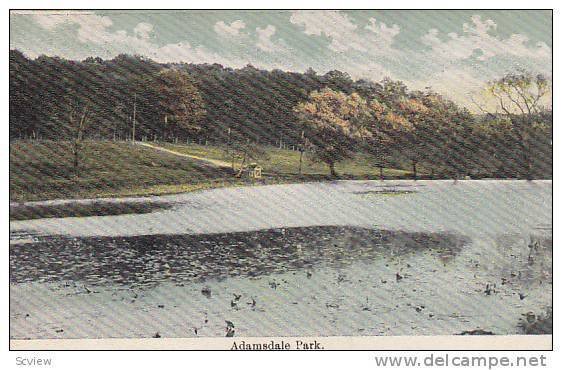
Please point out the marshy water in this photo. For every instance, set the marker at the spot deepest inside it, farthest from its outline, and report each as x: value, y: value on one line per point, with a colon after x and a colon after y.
x: 324, y: 259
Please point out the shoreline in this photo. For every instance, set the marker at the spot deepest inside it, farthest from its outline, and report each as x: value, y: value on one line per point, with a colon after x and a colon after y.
x: 137, y: 197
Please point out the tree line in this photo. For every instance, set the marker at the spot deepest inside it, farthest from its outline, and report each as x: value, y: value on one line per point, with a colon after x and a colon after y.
x: 331, y: 116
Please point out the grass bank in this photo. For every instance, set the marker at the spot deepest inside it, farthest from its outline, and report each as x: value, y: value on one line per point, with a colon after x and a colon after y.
x: 44, y: 170
x: 283, y: 163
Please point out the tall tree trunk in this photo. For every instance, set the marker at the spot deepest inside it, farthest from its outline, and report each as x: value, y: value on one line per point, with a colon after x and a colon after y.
x: 332, y: 169
x: 526, y: 153
x: 78, y: 141
x: 300, y: 162
x: 240, y: 172
x: 528, y: 167
x: 525, y: 158
x: 301, y: 149
x: 76, y: 153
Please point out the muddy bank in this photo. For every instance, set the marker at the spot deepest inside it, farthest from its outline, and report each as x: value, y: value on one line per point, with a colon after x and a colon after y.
x: 97, y: 208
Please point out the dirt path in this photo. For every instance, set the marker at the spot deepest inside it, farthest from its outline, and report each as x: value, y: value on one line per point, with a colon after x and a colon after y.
x: 214, y: 162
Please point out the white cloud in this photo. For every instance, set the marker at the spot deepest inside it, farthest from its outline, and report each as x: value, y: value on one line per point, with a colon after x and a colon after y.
x: 53, y: 19
x: 456, y: 65
x: 344, y: 34
x: 333, y: 24
x: 456, y: 48
x: 229, y: 30
x: 363, y: 70
x: 264, y: 39
x: 455, y: 83
x: 92, y: 28
x: 477, y: 40
x: 458, y: 80
x: 384, y: 32
x: 143, y: 30
x: 326, y: 22
x: 95, y: 30
x: 181, y: 52
x: 187, y: 53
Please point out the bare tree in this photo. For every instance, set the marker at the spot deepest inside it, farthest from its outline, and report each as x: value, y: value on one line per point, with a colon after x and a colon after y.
x: 519, y: 98
x: 77, y: 120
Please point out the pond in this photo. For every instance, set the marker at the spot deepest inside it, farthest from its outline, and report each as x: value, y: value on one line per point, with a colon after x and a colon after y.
x: 435, y: 257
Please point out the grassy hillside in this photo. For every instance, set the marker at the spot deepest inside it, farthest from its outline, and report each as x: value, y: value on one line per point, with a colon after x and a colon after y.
x: 44, y: 170
x: 286, y: 162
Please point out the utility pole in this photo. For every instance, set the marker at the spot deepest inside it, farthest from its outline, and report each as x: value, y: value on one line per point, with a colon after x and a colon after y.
x: 229, y: 147
x: 301, y: 149
x: 134, y: 115
x: 165, y: 125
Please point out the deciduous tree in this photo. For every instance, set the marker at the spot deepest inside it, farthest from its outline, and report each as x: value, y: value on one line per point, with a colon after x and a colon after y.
x: 522, y: 99
x: 335, y: 121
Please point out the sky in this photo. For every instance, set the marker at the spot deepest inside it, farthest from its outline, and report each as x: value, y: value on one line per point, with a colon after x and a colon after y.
x: 452, y: 51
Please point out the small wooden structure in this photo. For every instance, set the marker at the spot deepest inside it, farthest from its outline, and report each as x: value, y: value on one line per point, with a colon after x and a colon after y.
x: 254, y: 171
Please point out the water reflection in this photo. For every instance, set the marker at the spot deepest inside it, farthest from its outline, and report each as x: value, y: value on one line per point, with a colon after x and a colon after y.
x: 147, y: 260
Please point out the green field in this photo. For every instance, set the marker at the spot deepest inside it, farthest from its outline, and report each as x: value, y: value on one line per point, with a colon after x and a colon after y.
x: 286, y: 162
x: 44, y: 170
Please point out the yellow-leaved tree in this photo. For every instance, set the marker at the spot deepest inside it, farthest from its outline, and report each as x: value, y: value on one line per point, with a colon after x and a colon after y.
x: 334, y: 121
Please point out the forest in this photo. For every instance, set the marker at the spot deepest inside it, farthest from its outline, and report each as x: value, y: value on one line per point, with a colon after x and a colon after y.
x: 331, y: 116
